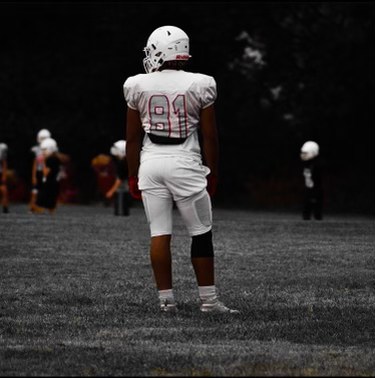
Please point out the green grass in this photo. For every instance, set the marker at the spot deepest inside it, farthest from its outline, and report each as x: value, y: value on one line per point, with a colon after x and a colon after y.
x: 77, y: 297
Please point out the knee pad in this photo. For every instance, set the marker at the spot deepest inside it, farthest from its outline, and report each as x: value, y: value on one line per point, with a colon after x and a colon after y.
x: 202, y: 246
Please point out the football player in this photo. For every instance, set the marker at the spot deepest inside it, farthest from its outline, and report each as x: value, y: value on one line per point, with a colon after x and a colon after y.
x: 313, y: 189
x: 120, y: 188
x: 37, y: 167
x: 50, y: 188
x: 3, y: 177
x: 169, y: 110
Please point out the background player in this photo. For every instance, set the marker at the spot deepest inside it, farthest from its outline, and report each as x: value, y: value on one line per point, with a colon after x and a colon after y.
x: 167, y: 107
x: 37, y: 167
x: 313, y: 189
x: 3, y: 177
x: 120, y: 188
x: 50, y: 189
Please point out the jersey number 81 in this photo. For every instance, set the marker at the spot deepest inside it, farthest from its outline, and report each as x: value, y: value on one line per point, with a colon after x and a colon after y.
x: 167, y: 117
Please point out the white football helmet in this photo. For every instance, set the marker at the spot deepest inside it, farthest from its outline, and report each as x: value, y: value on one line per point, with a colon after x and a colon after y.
x: 3, y: 151
x: 119, y: 149
x: 165, y: 43
x: 48, y: 146
x: 309, y: 150
x: 43, y: 134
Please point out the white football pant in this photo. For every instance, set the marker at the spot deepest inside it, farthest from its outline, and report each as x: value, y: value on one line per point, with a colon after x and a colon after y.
x: 179, y: 179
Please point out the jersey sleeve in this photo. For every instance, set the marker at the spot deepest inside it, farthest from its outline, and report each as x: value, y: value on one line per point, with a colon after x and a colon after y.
x: 130, y: 93
x: 208, y: 91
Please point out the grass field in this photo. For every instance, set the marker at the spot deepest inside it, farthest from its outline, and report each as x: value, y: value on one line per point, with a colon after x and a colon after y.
x: 77, y: 296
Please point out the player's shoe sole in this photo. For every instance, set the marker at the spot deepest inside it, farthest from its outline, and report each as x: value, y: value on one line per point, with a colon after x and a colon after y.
x: 217, y: 307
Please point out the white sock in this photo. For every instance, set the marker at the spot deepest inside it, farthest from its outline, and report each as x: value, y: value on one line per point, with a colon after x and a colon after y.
x: 207, y: 293
x: 166, y: 294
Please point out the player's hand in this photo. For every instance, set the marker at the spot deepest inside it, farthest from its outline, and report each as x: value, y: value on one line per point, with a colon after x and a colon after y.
x: 133, y: 188
x: 211, y: 184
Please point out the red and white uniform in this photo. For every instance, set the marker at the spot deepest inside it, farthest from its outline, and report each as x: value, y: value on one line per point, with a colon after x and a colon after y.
x: 169, y: 103
x: 171, y: 112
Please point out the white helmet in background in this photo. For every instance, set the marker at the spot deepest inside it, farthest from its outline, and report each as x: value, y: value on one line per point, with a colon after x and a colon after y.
x: 3, y: 151
x: 309, y: 150
x: 165, y: 43
x: 48, y: 146
x: 119, y: 149
x: 43, y: 134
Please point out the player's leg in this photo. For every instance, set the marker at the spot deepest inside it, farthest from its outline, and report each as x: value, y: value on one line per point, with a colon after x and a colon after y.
x: 33, y: 196
x: 202, y: 259
x: 35, y: 192
x: 318, y: 207
x: 307, y: 208
x: 161, y: 261
x: 125, y: 204
x: 159, y: 215
x: 4, y: 197
x: 53, y: 197
x: 116, y: 203
x: 196, y: 212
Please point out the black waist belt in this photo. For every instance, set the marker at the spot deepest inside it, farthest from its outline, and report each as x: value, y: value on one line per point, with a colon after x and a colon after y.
x: 157, y: 139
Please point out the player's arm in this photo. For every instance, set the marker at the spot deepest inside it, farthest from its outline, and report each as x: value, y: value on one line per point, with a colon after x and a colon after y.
x: 64, y: 158
x: 210, y: 140
x: 134, y: 137
x: 33, y: 173
x: 114, y: 187
x: 46, y: 170
x: 210, y: 145
x: 4, y: 171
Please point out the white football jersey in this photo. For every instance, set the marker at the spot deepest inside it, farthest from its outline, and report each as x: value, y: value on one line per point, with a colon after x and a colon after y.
x: 169, y: 103
x: 39, y: 157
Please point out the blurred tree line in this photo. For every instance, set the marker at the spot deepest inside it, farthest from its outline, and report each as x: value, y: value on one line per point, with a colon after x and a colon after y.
x: 286, y: 73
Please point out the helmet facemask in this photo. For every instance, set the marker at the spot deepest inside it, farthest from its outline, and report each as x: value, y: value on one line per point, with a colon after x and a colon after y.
x: 148, y: 63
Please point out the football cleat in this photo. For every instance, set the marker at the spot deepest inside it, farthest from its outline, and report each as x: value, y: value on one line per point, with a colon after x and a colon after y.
x: 168, y: 305
x: 217, y: 307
